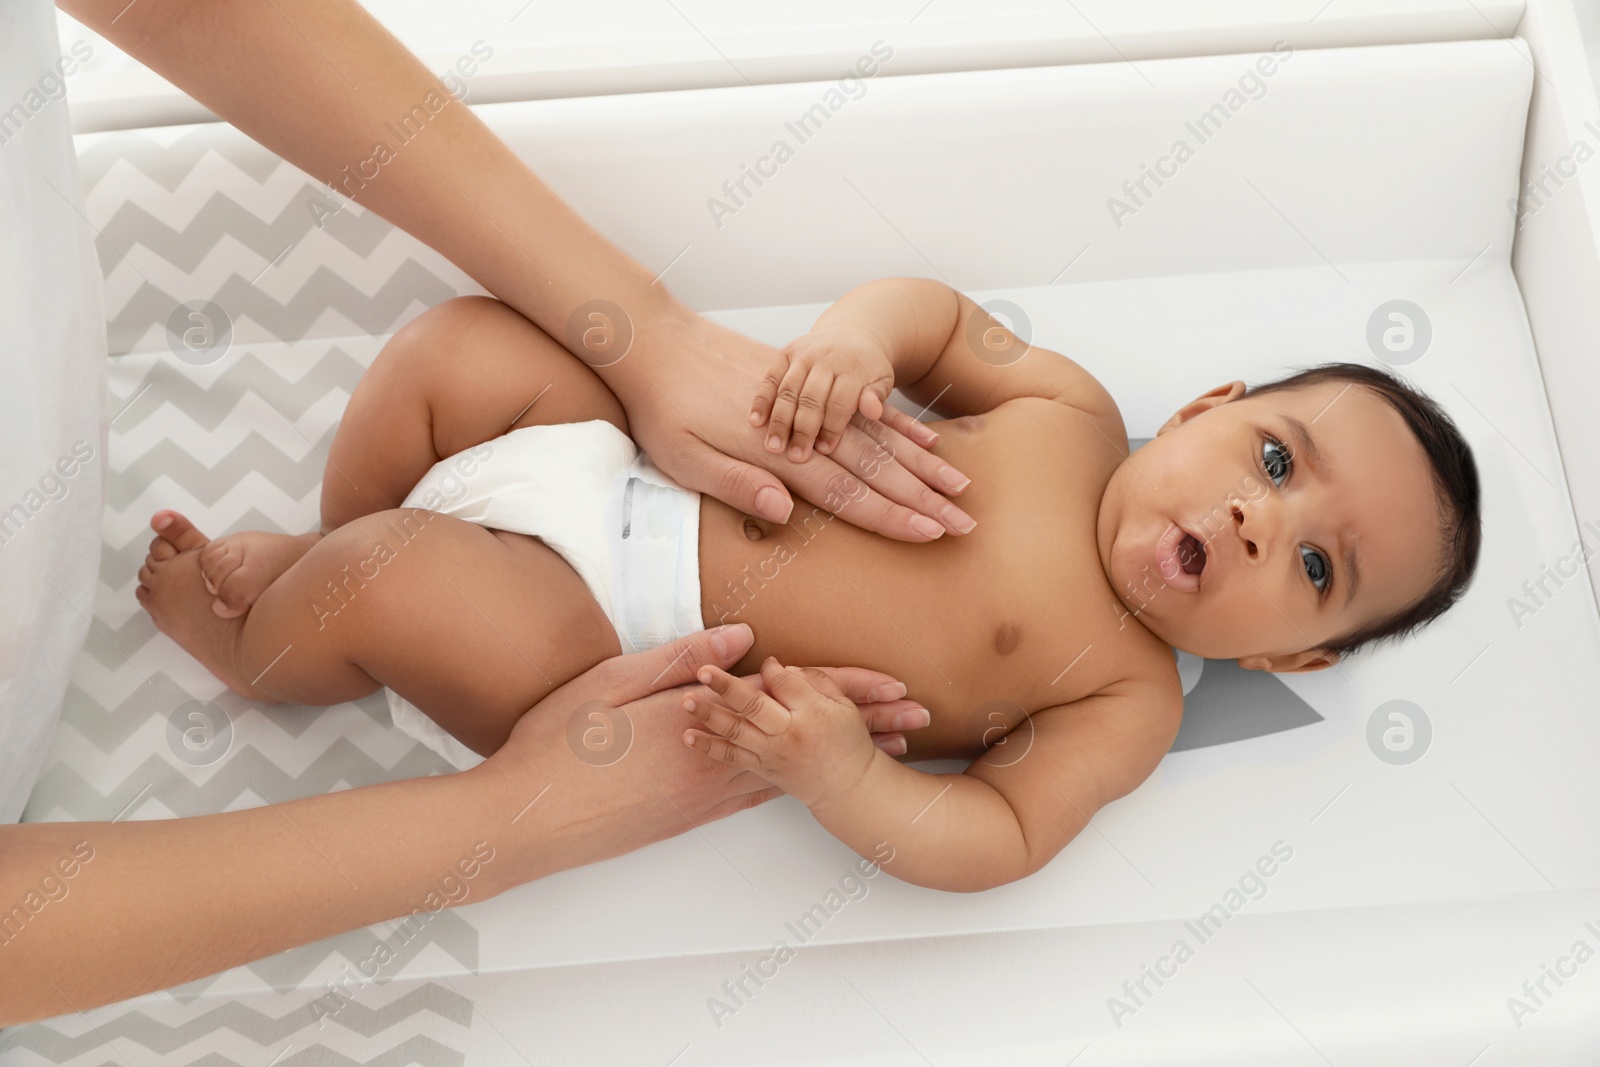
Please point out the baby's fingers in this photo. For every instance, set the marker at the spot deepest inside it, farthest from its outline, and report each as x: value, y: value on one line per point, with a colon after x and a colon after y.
x: 791, y: 686
x: 784, y: 404
x: 809, y: 410
x: 720, y: 720
x: 719, y: 748
x: 842, y: 402
x: 767, y: 392
x: 745, y: 700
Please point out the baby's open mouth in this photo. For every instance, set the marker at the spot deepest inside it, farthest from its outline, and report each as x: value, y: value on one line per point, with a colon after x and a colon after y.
x: 1191, y: 554
x: 1180, y: 558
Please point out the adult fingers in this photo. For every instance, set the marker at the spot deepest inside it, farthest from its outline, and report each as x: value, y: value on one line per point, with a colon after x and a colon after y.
x: 874, y: 452
x: 827, y: 482
x: 625, y: 678
x: 738, y: 484
x: 928, y: 468
x: 903, y: 422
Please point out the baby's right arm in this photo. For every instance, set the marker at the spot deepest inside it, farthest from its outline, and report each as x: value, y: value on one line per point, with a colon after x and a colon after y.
x: 937, y: 345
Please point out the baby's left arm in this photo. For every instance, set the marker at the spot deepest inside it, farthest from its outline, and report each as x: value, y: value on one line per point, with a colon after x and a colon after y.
x: 1008, y: 815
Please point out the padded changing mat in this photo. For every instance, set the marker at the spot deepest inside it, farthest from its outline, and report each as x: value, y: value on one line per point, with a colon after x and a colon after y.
x: 1344, y: 181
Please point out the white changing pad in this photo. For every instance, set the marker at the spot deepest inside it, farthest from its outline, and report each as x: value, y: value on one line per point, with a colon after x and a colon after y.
x: 1357, y: 177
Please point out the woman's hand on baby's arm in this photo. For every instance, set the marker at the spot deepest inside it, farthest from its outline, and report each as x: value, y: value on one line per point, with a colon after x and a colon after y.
x: 819, y: 383
x: 803, y: 734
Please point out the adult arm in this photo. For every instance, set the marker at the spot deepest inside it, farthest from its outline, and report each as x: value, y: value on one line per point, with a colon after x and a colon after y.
x: 152, y: 904
x: 320, y: 82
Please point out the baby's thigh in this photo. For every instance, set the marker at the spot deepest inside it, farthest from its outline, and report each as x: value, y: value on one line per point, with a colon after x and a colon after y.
x: 486, y: 370
x: 474, y: 626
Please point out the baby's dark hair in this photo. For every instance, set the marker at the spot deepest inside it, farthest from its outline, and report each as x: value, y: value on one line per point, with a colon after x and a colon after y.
x: 1456, y: 492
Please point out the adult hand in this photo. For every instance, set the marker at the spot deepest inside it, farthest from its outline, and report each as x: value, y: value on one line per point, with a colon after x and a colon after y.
x: 687, y: 385
x: 598, y: 768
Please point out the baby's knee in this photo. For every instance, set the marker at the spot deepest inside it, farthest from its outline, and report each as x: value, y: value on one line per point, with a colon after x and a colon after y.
x: 438, y: 331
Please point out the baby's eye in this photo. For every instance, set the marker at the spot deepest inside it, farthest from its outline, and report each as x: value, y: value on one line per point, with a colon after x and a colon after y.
x: 1316, y: 566
x: 1275, y: 459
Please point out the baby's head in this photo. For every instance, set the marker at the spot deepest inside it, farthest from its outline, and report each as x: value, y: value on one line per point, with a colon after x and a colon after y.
x: 1288, y: 525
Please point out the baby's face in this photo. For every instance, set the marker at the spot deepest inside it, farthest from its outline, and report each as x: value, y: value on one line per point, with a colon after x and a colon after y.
x: 1224, y: 538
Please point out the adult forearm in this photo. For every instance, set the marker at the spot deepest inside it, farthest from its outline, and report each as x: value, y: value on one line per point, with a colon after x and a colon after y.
x: 322, y: 84
x: 97, y: 912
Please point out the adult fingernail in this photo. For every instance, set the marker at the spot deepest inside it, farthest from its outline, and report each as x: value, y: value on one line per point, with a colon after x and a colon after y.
x: 887, y: 691
x: 893, y: 746
x: 960, y: 520
x: 953, y: 479
x: 912, y: 719
x: 774, y: 443
x: 724, y: 639
x: 755, y: 418
x: 797, y: 453
x: 773, y: 505
x: 926, y: 526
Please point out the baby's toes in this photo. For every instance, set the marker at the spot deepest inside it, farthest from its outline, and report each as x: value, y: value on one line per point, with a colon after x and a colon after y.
x: 218, y: 560
x: 161, y: 549
x: 236, y: 593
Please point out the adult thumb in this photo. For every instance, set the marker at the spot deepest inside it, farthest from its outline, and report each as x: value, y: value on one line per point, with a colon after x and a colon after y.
x: 626, y: 678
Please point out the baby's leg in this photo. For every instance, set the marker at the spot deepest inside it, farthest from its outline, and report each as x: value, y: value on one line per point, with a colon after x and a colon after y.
x: 474, y: 626
x: 461, y: 373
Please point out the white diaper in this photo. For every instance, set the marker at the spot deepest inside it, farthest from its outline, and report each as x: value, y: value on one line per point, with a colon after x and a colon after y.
x: 586, y: 491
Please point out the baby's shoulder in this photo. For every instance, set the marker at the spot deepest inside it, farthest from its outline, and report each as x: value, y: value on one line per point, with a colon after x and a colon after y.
x: 1062, y: 419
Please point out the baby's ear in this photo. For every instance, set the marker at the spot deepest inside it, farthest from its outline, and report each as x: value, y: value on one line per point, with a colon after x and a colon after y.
x: 1293, y: 663
x: 1207, y: 400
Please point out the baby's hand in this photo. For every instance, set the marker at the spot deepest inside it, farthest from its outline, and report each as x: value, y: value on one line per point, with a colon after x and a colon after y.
x: 807, y: 738
x: 819, y: 381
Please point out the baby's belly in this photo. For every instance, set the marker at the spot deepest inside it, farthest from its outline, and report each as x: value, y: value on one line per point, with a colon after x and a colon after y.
x: 820, y: 592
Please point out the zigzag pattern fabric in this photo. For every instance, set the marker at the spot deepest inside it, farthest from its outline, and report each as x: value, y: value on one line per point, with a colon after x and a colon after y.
x: 313, y: 288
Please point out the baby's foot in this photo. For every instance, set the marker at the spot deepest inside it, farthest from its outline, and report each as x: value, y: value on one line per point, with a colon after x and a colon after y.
x: 172, y: 591
x: 236, y: 568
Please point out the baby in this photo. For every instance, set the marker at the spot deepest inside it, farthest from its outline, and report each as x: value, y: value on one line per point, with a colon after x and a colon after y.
x: 489, y: 532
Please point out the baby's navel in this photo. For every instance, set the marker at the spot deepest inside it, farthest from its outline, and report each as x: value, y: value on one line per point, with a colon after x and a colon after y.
x: 754, y: 530
x: 1007, y: 636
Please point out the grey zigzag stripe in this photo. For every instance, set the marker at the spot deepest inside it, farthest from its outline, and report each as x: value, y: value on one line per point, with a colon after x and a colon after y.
x: 132, y: 225
x: 108, y: 728
x: 63, y: 788
x: 168, y: 164
x: 288, y: 971
x: 420, y: 1050
x: 323, y: 292
x: 210, y: 482
x: 212, y: 405
x: 242, y: 1019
